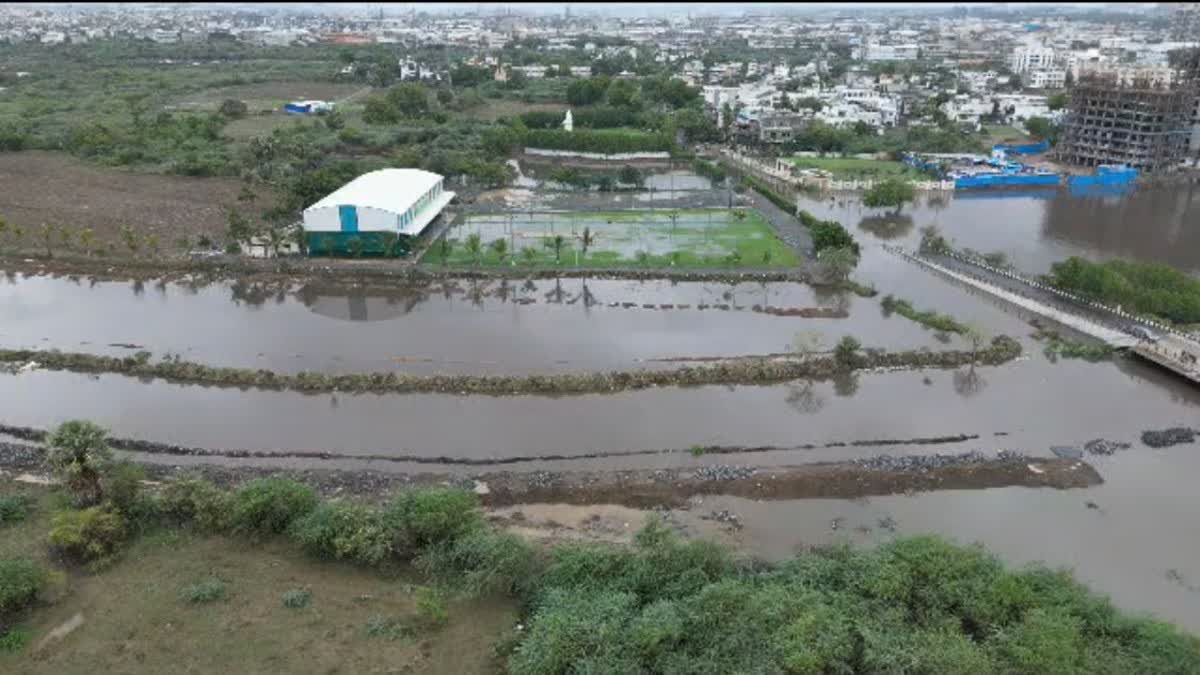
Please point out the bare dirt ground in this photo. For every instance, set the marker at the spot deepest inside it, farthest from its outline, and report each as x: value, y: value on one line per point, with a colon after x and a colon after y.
x: 57, y: 189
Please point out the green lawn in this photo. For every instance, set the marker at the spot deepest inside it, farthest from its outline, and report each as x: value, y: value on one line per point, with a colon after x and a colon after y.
x: 698, y: 238
x: 1001, y: 133
x: 847, y: 168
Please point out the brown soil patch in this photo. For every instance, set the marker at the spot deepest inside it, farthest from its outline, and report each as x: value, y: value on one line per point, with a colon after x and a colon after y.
x: 57, y: 189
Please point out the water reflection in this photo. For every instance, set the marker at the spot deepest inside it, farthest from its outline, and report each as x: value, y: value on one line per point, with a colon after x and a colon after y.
x: 1038, y: 227
x: 888, y: 226
x: 804, y: 398
x: 968, y: 382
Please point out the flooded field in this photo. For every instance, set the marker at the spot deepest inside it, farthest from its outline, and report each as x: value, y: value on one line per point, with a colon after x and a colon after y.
x: 455, y: 326
x: 1036, y: 228
x: 660, y: 238
x: 1033, y: 405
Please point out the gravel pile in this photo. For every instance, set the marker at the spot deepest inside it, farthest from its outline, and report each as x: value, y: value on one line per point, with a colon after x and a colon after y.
x: 923, y: 463
x: 1168, y: 437
x: 542, y: 479
x: 723, y: 472
x: 18, y: 456
x: 1100, y: 446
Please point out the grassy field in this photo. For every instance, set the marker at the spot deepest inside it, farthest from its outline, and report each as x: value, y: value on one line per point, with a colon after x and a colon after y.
x: 494, y: 109
x: 698, y: 238
x: 135, y: 620
x: 848, y: 168
x: 1002, y: 133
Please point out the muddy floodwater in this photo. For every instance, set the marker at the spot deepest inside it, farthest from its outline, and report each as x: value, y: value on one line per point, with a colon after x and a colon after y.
x: 1134, y: 537
x: 1033, y: 404
x: 1035, y: 228
x: 456, y: 326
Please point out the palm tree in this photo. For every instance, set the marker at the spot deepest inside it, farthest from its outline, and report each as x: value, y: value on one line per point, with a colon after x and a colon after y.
x: 587, y: 240
x: 65, y: 236
x: 86, y: 239
x: 152, y: 244
x: 500, y: 248
x: 556, y: 242
x: 474, y: 246
x: 444, y: 248
x: 47, y: 234
x: 642, y: 257
x: 530, y: 255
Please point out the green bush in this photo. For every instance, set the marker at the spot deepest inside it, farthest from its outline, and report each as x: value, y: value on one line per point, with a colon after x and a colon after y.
x: 829, y: 234
x: 270, y: 505
x: 297, y: 599
x: 122, y: 485
x: 482, y: 561
x: 606, y: 141
x: 846, y: 352
x: 88, y: 535
x: 197, y: 502
x: 1142, y: 288
x: 20, y: 582
x: 421, y: 518
x: 207, y: 590
x: 14, y: 640
x: 431, y: 609
x: 341, y: 530
x: 14, y: 508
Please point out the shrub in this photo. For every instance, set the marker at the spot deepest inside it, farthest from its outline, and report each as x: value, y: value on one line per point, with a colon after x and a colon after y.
x: 576, y: 632
x: 20, y: 582
x: 420, y: 518
x: 91, y: 534
x: 270, y: 505
x: 208, y: 590
x: 122, y: 485
x: 78, y: 454
x: 431, y: 609
x: 198, y: 502
x: 341, y: 530
x: 14, y: 640
x: 846, y: 352
x: 482, y: 561
x: 14, y: 509
x: 297, y: 599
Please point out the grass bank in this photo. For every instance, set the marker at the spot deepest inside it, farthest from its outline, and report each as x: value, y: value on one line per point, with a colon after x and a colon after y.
x: 1058, y: 346
x: 928, y: 318
x: 197, y: 561
x: 735, y: 371
x: 851, y: 168
x: 1153, y: 289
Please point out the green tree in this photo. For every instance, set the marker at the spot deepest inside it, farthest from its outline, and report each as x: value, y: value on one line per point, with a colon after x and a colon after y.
x: 474, y: 246
x: 556, y: 243
x: 46, y: 234
x: 829, y: 234
x: 409, y: 99
x: 890, y: 192
x: 587, y: 240
x: 444, y: 247
x: 78, y: 454
x: 1040, y: 128
x: 500, y: 248
x: 845, y: 354
x: 839, y: 262
x: 529, y: 254
x: 233, y: 108
x: 87, y: 239
x: 1057, y: 101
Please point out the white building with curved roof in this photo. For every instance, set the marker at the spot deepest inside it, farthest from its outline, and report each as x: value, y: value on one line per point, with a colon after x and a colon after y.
x: 378, y: 212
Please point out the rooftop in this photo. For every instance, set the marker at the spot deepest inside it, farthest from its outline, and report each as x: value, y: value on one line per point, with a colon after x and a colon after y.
x: 388, y: 189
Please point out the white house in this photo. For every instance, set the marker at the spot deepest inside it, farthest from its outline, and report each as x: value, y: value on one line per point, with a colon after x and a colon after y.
x: 381, y: 210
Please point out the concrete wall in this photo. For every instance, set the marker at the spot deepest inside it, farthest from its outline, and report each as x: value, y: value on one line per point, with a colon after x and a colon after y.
x: 539, y: 152
x: 370, y: 219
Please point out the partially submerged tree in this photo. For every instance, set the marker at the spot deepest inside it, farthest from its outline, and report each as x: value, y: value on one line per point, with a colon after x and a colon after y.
x: 839, y: 262
x: 474, y: 246
x: 890, y: 192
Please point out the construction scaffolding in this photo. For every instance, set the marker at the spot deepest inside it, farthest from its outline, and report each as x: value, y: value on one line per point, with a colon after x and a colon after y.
x: 1140, y: 120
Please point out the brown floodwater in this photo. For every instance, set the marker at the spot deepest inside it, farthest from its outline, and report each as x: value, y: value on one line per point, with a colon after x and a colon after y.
x: 1035, y: 404
x: 1035, y: 228
x: 457, y: 326
x: 1138, y: 542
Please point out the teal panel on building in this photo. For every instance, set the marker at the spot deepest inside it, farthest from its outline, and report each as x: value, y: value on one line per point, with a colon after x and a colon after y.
x: 349, y: 218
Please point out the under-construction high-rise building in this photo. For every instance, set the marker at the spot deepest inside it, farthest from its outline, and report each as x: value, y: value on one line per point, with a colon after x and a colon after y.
x: 1140, y: 118
x: 1185, y: 21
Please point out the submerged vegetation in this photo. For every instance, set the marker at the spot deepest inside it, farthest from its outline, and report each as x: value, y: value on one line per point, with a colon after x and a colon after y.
x: 928, y: 318
x: 740, y: 371
x: 665, y: 604
x: 1059, y: 346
